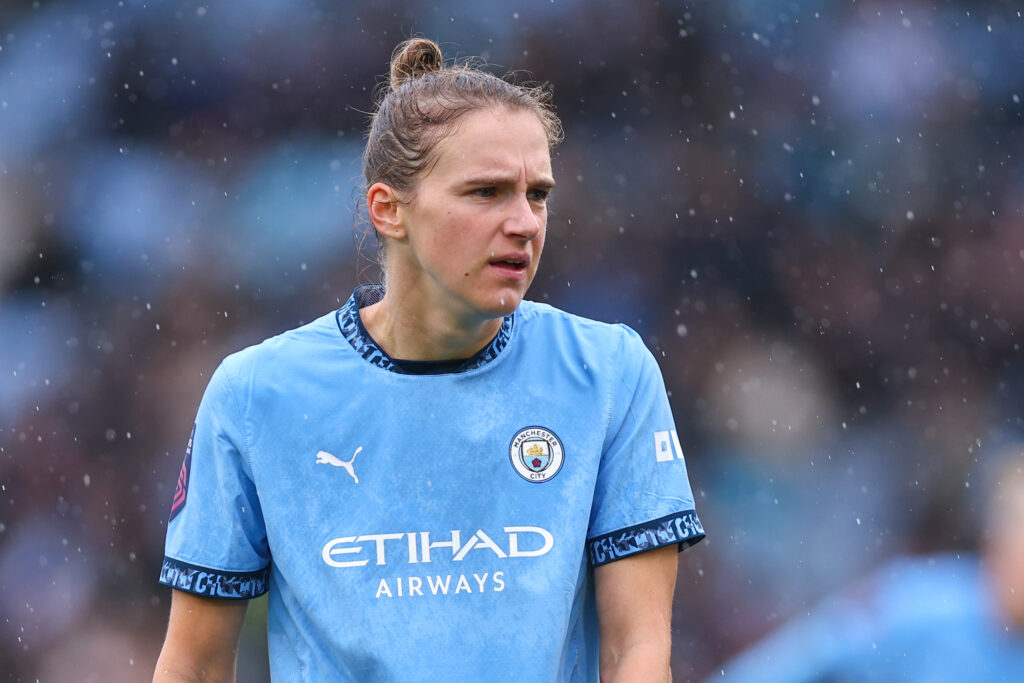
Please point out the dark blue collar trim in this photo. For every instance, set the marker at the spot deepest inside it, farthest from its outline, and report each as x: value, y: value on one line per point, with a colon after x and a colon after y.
x: 351, y: 326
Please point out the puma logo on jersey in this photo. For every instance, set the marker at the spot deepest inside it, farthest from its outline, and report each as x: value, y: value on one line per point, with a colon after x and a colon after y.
x: 325, y: 458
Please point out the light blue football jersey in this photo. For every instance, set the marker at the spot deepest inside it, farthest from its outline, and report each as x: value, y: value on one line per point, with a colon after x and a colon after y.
x: 425, y: 521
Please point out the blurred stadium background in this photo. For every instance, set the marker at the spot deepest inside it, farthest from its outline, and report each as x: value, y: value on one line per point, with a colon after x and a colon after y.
x: 812, y: 212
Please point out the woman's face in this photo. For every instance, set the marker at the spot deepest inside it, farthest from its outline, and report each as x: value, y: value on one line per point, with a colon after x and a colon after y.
x: 476, y: 223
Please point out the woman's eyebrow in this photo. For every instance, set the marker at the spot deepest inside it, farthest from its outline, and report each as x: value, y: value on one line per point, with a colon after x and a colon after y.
x: 545, y: 183
x: 489, y: 179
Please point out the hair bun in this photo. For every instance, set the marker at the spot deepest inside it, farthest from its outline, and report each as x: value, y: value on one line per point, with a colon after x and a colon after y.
x: 414, y: 58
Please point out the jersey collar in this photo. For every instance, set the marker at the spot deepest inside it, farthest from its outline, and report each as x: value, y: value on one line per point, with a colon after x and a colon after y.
x: 352, y: 329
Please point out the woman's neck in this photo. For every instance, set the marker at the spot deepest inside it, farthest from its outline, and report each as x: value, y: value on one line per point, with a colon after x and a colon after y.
x: 408, y: 332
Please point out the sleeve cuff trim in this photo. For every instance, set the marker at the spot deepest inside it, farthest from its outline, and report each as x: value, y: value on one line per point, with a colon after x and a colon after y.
x: 214, y: 583
x: 682, y: 528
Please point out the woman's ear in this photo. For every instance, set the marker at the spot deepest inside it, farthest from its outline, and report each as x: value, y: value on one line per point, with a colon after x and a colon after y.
x: 383, y: 206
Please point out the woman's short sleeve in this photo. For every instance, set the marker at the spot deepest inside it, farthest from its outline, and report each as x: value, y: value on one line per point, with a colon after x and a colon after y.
x: 216, y: 539
x: 642, y: 499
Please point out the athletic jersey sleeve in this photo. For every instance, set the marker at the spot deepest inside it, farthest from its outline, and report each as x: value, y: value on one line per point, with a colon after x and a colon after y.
x: 216, y: 540
x: 642, y: 499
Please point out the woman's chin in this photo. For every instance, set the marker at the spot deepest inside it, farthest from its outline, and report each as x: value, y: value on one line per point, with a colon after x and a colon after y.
x: 505, y: 304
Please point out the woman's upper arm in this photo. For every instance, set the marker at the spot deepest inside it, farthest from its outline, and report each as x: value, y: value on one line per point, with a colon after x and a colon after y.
x: 634, y: 611
x: 202, y: 639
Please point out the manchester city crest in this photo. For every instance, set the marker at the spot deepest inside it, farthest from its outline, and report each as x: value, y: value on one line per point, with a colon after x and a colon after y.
x: 536, y: 454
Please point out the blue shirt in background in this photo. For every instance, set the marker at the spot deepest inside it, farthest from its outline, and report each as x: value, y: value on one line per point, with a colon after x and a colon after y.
x: 914, y: 619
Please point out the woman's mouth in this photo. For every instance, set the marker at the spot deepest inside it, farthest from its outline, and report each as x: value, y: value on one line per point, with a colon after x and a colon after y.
x: 512, y: 265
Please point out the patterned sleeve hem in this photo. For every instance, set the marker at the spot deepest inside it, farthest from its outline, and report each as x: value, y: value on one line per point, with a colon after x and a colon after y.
x: 214, y: 583
x: 682, y: 528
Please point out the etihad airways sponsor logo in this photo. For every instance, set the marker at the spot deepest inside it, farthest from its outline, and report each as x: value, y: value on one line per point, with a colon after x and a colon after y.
x: 418, y: 547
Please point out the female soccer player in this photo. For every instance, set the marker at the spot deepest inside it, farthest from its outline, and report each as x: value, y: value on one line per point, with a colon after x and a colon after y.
x: 439, y: 481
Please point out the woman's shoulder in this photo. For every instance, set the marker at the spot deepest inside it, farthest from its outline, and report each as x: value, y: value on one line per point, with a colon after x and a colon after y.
x: 543, y: 319
x: 288, y: 347
x: 545, y: 314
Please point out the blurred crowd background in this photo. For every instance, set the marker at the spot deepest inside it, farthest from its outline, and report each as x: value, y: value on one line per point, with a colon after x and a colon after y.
x: 812, y: 212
